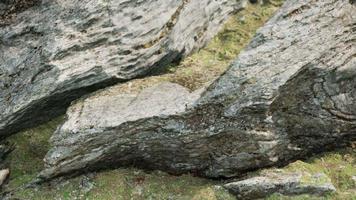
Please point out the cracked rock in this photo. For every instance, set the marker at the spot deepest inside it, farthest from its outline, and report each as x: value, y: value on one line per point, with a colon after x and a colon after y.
x: 54, y: 51
x: 289, y: 94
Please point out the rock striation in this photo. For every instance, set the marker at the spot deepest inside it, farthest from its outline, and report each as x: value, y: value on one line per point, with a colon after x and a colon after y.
x: 282, y: 183
x: 54, y: 51
x: 290, y: 93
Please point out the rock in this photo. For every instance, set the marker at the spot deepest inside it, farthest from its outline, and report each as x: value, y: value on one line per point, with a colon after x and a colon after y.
x: 4, y: 174
x: 290, y: 93
x: 53, y: 52
x: 86, y: 184
x: 281, y: 183
x: 162, y: 100
x: 354, y: 179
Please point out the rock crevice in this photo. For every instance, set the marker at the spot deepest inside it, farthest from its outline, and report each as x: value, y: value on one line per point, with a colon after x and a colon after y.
x: 281, y: 100
x: 53, y: 52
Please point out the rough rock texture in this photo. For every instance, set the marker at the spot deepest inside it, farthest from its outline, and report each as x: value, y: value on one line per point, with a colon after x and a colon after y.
x: 162, y: 99
x: 52, y: 52
x: 290, y: 93
x: 281, y: 183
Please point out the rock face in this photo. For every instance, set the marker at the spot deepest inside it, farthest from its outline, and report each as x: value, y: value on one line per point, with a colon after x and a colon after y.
x: 53, y: 52
x: 290, y: 93
x: 281, y: 183
x: 162, y: 99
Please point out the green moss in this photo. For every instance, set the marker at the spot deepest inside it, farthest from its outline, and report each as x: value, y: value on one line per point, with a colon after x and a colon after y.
x: 204, y: 66
x: 132, y: 184
x: 30, y: 148
x: 308, y: 179
x: 339, y: 166
x: 207, y: 64
x: 300, y: 197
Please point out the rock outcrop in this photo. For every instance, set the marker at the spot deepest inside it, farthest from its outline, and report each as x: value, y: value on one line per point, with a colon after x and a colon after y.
x: 290, y: 93
x: 52, y: 52
x: 282, y: 183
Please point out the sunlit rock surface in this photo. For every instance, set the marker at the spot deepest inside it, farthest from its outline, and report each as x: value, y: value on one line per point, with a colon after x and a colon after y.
x: 290, y: 93
x: 54, y: 51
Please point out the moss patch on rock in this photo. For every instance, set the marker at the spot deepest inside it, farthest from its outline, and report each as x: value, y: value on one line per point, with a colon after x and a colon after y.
x: 339, y: 166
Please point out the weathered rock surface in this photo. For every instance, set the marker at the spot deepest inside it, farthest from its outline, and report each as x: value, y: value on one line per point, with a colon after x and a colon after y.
x: 4, y: 174
x: 52, y: 52
x: 290, y: 93
x: 160, y: 100
x: 282, y: 183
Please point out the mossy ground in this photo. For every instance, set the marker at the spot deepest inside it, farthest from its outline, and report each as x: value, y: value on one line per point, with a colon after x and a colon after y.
x: 124, y: 183
x: 193, y: 72
x: 339, y: 166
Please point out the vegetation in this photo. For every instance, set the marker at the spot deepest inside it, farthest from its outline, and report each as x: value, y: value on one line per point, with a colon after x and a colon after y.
x: 204, y: 66
x: 339, y: 166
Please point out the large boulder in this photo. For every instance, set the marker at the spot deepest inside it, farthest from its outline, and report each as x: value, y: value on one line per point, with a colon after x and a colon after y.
x: 290, y: 93
x: 54, y: 51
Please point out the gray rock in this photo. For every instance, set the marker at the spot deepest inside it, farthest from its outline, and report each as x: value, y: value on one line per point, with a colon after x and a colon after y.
x: 54, y: 51
x: 83, y: 124
x: 290, y: 93
x: 282, y: 183
x: 4, y: 174
x: 161, y: 100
